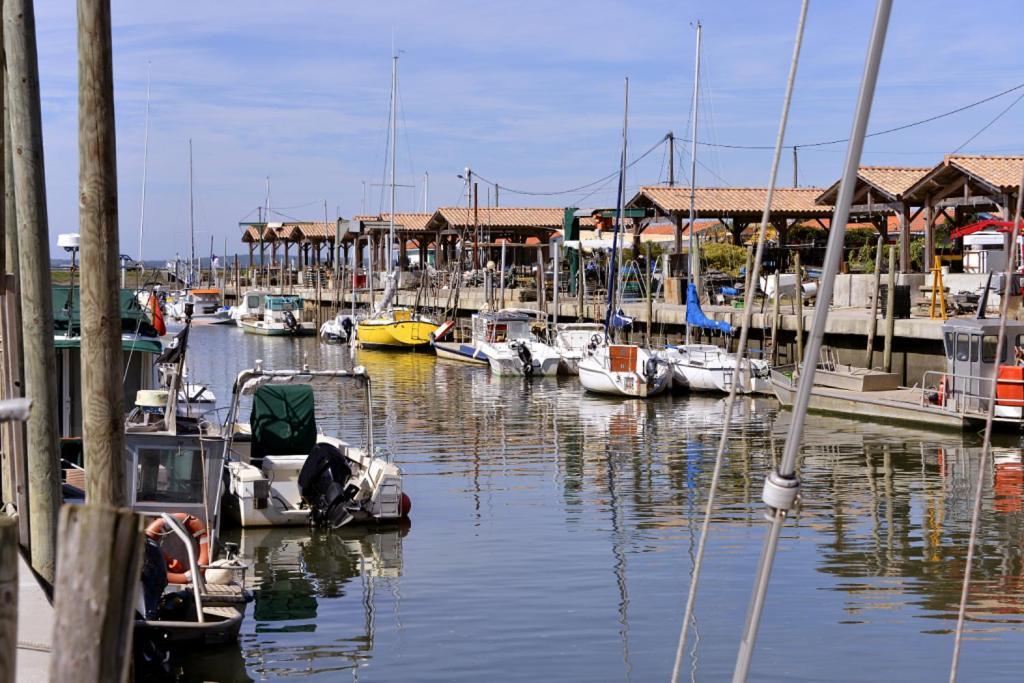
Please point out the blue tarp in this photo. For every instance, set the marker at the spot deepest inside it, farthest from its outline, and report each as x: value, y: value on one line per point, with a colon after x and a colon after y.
x: 620, y: 320
x: 695, y: 316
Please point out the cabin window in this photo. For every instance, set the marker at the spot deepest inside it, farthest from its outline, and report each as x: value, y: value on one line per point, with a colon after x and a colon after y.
x: 169, y: 475
x: 252, y: 301
x: 988, y: 348
x: 963, y: 347
x: 949, y: 345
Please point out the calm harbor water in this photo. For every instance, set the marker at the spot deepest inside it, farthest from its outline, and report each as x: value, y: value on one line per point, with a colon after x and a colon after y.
x: 553, y: 533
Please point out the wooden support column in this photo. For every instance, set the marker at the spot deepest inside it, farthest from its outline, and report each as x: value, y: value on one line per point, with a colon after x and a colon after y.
x: 782, y: 228
x: 677, y: 221
x: 929, y: 235
x: 905, y: 222
x: 102, y: 358
x: 403, y: 250
x: 36, y: 296
x: 737, y: 231
x: 439, y: 260
x: 95, y: 593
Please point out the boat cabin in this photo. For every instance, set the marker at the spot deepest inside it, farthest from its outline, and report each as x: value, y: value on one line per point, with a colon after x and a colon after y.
x: 972, y: 359
x: 501, y: 326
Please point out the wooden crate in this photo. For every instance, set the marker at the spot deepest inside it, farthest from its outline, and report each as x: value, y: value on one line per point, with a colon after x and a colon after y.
x: 622, y: 358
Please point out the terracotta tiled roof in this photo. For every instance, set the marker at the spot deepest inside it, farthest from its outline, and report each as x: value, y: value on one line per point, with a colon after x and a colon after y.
x: 726, y: 201
x: 505, y: 217
x: 998, y: 174
x: 409, y: 221
x: 885, y: 183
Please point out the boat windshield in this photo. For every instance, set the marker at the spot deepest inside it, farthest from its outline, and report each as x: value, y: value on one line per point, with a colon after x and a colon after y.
x: 284, y: 303
x: 169, y: 475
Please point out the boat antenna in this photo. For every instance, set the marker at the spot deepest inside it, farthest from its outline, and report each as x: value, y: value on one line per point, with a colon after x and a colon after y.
x: 191, y: 221
x: 612, y: 270
x: 782, y: 487
x: 693, y: 271
x: 394, y: 147
x: 145, y: 159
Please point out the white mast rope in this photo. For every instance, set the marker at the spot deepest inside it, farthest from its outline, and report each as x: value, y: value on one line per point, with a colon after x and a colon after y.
x: 781, y: 486
x: 1004, y: 304
x: 748, y: 307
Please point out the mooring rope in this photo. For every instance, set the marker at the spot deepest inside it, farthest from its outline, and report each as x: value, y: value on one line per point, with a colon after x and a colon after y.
x: 782, y: 487
x: 986, y: 448
x: 748, y: 306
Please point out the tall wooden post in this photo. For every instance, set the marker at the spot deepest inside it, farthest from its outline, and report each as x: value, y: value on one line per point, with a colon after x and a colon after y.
x: 102, y: 361
x: 650, y: 294
x: 775, y: 319
x: 890, y: 313
x: 869, y: 354
x: 36, y: 297
x: 94, y: 600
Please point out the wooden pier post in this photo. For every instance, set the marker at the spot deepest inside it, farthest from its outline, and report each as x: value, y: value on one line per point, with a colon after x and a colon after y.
x: 775, y: 319
x: 102, y: 390
x: 95, y: 593
x: 503, y: 243
x: 869, y: 354
x: 36, y: 297
x: 8, y: 599
x: 556, y: 266
x: 890, y: 314
x: 582, y: 275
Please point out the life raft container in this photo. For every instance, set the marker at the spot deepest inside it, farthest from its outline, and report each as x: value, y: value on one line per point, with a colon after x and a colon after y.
x: 177, y: 573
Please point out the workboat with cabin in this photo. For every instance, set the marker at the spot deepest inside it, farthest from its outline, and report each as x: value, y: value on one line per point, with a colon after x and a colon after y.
x: 249, y: 307
x: 509, y: 341
x: 206, y: 305
x: 340, y: 329
x: 957, y: 398
x: 282, y: 470
x: 575, y: 341
x: 624, y: 370
x: 283, y: 316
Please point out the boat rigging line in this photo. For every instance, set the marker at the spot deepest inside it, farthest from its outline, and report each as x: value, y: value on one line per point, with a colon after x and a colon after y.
x: 986, y: 447
x: 741, y: 349
x: 782, y: 486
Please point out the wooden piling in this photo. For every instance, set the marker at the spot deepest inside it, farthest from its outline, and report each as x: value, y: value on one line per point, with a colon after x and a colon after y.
x: 36, y: 297
x: 581, y: 274
x: 650, y: 294
x: 869, y: 353
x: 890, y: 319
x: 102, y: 390
x: 8, y: 600
x: 95, y: 593
x: 799, y: 308
x: 775, y: 320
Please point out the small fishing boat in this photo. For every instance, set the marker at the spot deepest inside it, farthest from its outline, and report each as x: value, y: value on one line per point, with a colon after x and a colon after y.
x: 282, y: 317
x: 282, y: 471
x: 956, y: 399
x: 575, y: 341
x: 339, y: 330
x: 512, y: 348
x: 395, y: 328
x: 449, y: 346
x: 249, y: 307
x: 625, y: 370
x: 206, y: 305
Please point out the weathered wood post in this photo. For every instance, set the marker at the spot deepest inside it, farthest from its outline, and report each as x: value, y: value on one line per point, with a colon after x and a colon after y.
x: 582, y: 275
x: 869, y: 354
x: 8, y: 599
x: 94, y: 600
x: 799, y: 308
x: 775, y: 319
x: 102, y: 391
x: 36, y: 297
x: 890, y: 319
x: 541, y: 297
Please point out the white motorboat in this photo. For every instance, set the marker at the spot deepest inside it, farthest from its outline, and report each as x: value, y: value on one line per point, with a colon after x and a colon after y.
x: 283, y: 471
x: 249, y: 307
x: 706, y: 367
x: 206, y: 305
x: 507, y: 339
x: 625, y: 370
x: 339, y: 330
x: 282, y: 317
x: 575, y: 341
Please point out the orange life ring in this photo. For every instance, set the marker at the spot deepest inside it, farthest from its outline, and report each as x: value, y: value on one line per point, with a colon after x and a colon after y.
x: 177, y: 573
x: 942, y: 391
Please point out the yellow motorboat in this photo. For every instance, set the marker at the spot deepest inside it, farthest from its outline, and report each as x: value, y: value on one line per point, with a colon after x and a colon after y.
x: 396, y: 328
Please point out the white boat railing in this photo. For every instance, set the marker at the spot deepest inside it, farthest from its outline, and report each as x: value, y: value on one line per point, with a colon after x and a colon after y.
x: 972, y: 399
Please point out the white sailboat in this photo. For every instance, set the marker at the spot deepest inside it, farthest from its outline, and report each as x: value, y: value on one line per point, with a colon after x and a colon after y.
x: 622, y: 369
x: 706, y: 367
x: 575, y: 341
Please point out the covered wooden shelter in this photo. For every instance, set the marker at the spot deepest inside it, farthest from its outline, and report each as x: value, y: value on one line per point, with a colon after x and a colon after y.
x: 878, y: 194
x: 734, y: 207
x: 309, y: 237
x: 490, y: 225
x: 409, y: 227
x: 965, y: 184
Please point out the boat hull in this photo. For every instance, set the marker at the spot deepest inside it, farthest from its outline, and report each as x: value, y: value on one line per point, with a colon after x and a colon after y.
x: 512, y: 366
x: 598, y: 379
x: 465, y: 353
x: 278, y: 329
x: 394, y: 334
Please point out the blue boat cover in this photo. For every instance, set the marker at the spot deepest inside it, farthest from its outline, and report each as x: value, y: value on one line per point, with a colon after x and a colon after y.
x: 695, y: 316
x: 620, y: 320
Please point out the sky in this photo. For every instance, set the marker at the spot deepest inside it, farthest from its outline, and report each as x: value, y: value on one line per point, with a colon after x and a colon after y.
x: 528, y: 94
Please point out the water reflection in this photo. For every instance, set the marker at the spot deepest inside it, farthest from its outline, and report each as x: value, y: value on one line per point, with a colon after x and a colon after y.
x: 555, y: 534
x: 311, y: 584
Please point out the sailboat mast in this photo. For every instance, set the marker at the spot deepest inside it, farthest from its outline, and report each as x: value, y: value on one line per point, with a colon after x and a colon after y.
x: 694, y: 269
x: 612, y: 263
x: 191, y: 220
x: 394, y: 147
x: 145, y: 159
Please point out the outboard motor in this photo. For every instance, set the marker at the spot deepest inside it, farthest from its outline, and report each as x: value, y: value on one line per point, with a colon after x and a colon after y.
x: 154, y: 577
x: 651, y: 370
x: 525, y: 357
x: 324, y: 488
x: 290, y: 321
x: 346, y: 324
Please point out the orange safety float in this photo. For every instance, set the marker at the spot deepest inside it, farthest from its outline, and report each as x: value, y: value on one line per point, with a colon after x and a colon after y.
x: 177, y: 573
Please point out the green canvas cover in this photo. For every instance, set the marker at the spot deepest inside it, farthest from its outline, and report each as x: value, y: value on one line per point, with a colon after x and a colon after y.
x: 67, y: 312
x: 283, y: 420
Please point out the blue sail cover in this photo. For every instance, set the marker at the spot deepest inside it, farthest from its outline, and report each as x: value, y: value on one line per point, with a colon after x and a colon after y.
x: 695, y: 316
x: 619, y: 320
